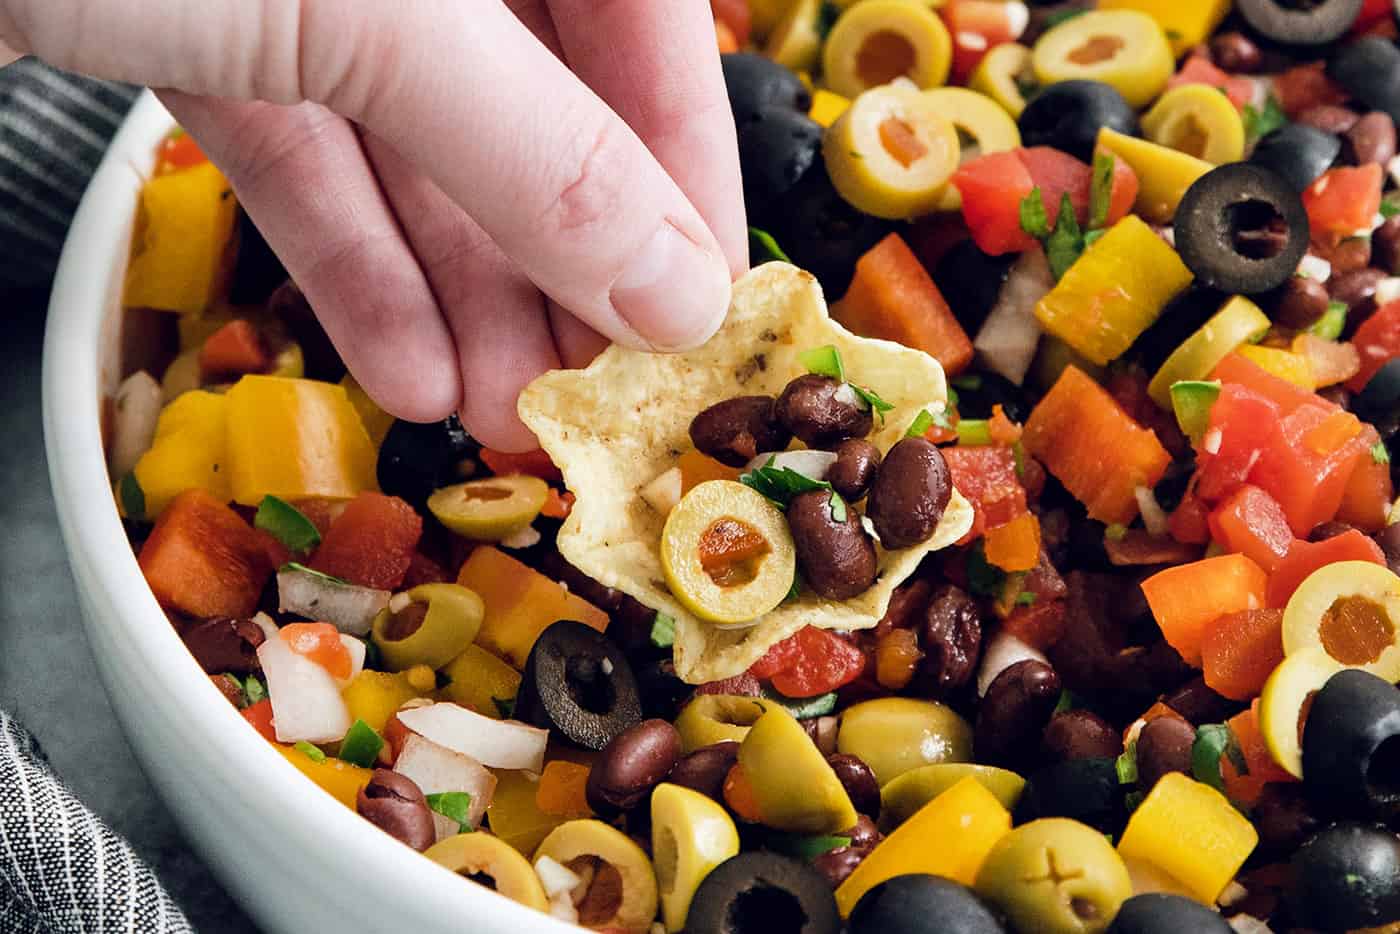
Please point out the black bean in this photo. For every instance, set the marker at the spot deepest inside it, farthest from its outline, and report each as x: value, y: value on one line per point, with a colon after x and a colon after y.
x: 1163, y: 745
x: 1299, y: 302
x: 223, y: 645
x: 1283, y: 817
x: 1198, y: 703
x: 836, y: 558
x: 1357, y: 290
x: 705, y: 769
x: 395, y: 804
x: 950, y: 637
x: 859, y: 781
x: 737, y: 430
x: 837, y: 865
x: 1013, y: 713
x: 630, y: 766
x: 1329, y: 529
x: 857, y: 462
x: 910, y: 494
x: 1234, y: 51
x: 1371, y: 139
x: 823, y: 412
x: 1080, y: 734
x: 1385, y: 246
x: 864, y: 834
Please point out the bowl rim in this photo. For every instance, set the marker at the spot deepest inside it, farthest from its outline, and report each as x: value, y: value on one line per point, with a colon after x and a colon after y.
x: 100, y: 554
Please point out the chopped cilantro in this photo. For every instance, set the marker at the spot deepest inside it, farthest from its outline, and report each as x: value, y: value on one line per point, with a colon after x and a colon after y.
x: 921, y: 424
x: 1101, y: 191
x: 1332, y: 323
x: 974, y: 432
x: 824, y: 361
x: 1066, y: 241
x: 455, y: 806
x: 873, y: 400
x: 310, y: 751
x: 287, y: 524
x: 1173, y: 35
x: 984, y: 578
x: 253, y: 690
x: 663, y: 631
x: 132, y: 497
x: 768, y: 244
x: 1025, y: 598
x: 1379, y: 454
x: 1067, y: 701
x: 968, y: 381
x: 1389, y: 208
x: 1214, y: 741
x: 795, y: 590
x: 505, y: 706
x: 780, y: 484
x: 1126, y: 764
x: 1259, y: 123
x: 1034, y: 220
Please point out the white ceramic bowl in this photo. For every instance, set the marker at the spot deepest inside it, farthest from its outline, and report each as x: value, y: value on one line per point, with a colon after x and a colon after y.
x: 294, y: 858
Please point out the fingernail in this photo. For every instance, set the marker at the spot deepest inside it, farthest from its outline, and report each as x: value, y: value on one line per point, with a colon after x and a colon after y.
x: 673, y: 292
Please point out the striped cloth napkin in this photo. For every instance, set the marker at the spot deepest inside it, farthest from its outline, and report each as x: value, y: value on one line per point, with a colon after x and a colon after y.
x: 62, y: 870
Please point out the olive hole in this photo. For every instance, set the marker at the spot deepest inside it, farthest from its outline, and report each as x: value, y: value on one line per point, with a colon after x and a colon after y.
x: 406, y: 622
x: 480, y: 877
x: 1096, y: 49
x: 1257, y: 231
x: 1383, y: 773
x: 1083, y: 908
x: 1188, y: 136
x: 1355, y: 630
x: 589, y: 686
x: 884, y: 56
x: 969, y: 146
x: 665, y: 856
x: 485, y: 494
x: 602, y: 889
x: 731, y: 552
x: 767, y: 909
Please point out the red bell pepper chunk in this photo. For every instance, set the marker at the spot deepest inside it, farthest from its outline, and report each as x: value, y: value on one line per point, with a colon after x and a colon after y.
x: 233, y: 350
x: 1252, y: 523
x: 1305, y: 557
x: 986, y: 475
x: 372, y: 543
x: 1344, y: 200
x: 1288, y: 397
x: 1377, y: 342
x: 823, y: 663
x: 1239, y: 427
x: 1306, y: 463
x: 1372, y: 12
x: 179, y: 152
x: 534, y: 463
x: 260, y: 716
x: 1368, y: 495
x: 992, y: 188
x: 1305, y: 86
x: 782, y: 656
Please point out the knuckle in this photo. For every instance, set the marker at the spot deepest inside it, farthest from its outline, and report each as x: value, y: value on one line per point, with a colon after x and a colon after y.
x: 593, y: 190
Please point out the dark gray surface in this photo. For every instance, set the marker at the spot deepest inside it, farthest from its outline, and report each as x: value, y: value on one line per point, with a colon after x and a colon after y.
x: 47, y: 678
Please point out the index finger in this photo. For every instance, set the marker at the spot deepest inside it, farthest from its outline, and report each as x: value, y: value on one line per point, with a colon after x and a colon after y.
x: 657, y: 66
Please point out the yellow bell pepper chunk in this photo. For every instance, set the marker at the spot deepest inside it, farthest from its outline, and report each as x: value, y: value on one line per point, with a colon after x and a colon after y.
x: 1114, y: 291
x: 950, y: 837
x: 1187, y: 23
x: 340, y: 780
x: 514, y: 814
x: 377, y: 421
x: 374, y: 696
x: 1191, y: 832
x: 1163, y: 173
x: 1285, y: 364
x: 180, y: 247
x: 827, y: 106
x: 480, y: 680
x: 296, y: 438
x: 188, y: 451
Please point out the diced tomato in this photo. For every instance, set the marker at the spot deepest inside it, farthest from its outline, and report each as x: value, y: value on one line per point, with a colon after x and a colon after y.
x: 179, y: 152
x: 1372, y: 12
x: 986, y: 475
x: 1124, y: 191
x: 260, y: 716
x: 1306, y: 463
x: 1239, y: 427
x: 823, y: 662
x: 1039, y: 625
x: 1189, y: 522
x: 1377, y: 342
x: 992, y: 188
x: 1238, y: 371
x: 1305, y: 86
x: 233, y: 350
x: 933, y: 235
x: 977, y: 26
x: 558, y: 505
x: 321, y: 512
x: 424, y: 570
x: 534, y: 463
x: 1057, y: 174
x: 782, y: 656
x: 1305, y: 557
x: 1252, y: 523
x: 1260, y: 768
x: 1197, y: 69
x: 320, y: 643
x: 1366, y: 501
x: 1186, y: 598
x: 372, y: 543
x: 1344, y: 200
x: 734, y: 14
x: 1240, y: 651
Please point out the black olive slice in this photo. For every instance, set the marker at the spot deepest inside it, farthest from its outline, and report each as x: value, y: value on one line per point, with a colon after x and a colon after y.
x: 1297, y: 153
x: 416, y: 459
x: 578, y: 684
x: 1158, y: 913
x: 1346, y: 877
x: 1369, y: 69
x: 760, y: 893
x: 1300, y: 24
x: 922, y: 903
x: 1351, y: 745
x: 757, y: 83
x: 1086, y: 790
x: 1241, y: 229
x: 1069, y: 114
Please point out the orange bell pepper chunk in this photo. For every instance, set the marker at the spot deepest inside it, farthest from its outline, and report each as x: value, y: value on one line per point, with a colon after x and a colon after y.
x: 696, y: 468
x: 558, y: 504
x: 1188, y: 598
x: 561, y: 791
x: 1014, y: 546
x: 1251, y: 522
x: 1240, y: 651
x: 233, y: 350
x: 1305, y: 557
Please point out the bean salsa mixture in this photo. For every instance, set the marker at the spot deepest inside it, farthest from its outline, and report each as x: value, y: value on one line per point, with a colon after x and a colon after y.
x: 1046, y: 584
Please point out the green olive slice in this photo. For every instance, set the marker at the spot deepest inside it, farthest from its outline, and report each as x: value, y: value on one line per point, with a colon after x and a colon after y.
x: 1003, y: 74
x: 1123, y: 48
x: 491, y: 509
x: 438, y: 623
x: 796, y: 42
x: 489, y: 859
x: 877, y: 41
x: 619, y: 884
x: 1350, y: 610
x: 727, y: 553
x: 690, y: 835
x: 892, y: 152
x: 1198, y: 120
x: 982, y: 125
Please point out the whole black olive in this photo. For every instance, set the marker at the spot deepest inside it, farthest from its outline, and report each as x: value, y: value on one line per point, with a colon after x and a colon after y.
x: 758, y: 892
x: 757, y: 83
x: 775, y: 151
x: 1086, y: 790
x: 820, y: 230
x: 1382, y: 392
x: 1069, y: 114
x: 578, y: 684
x: 1297, y: 153
x: 416, y: 459
x: 1300, y: 24
x: 1351, y: 745
x: 663, y: 692
x: 971, y: 281
x: 1346, y: 877
x: 257, y: 271
x: 922, y: 904
x: 1369, y: 69
x: 1157, y: 913
x: 1219, y: 212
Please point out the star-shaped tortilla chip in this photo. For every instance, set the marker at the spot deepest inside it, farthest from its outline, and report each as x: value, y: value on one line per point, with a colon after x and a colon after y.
x: 623, y: 421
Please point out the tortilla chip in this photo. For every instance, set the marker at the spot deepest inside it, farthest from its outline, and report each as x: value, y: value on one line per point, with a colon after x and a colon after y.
x: 615, y: 426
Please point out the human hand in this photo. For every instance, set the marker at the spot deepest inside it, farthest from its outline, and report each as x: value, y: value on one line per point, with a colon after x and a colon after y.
x: 463, y: 208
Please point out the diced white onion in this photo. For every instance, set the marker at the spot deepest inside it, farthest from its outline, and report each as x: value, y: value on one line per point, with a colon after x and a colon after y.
x: 1232, y: 894
x: 1018, y: 17
x: 399, y: 602
x: 1007, y: 340
x: 435, y: 769
x: 1211, y: 442
x: 348, y: 607
x: 811, y: 464
x: 498, y: 744
x: 869, y: 527
x: 1153, y: 516
x: 1314, y: 267
x: 526, y: 537
x: 846, y: 395
x: 1387, y: 290
x: 1248, y: 924
x: 1000, y: 654
x: 664, y: 492
x: 555, y: 876
x: 136, y: 409
x: 306, y: 701
x: 356, y: 648
x: 562, y: 906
